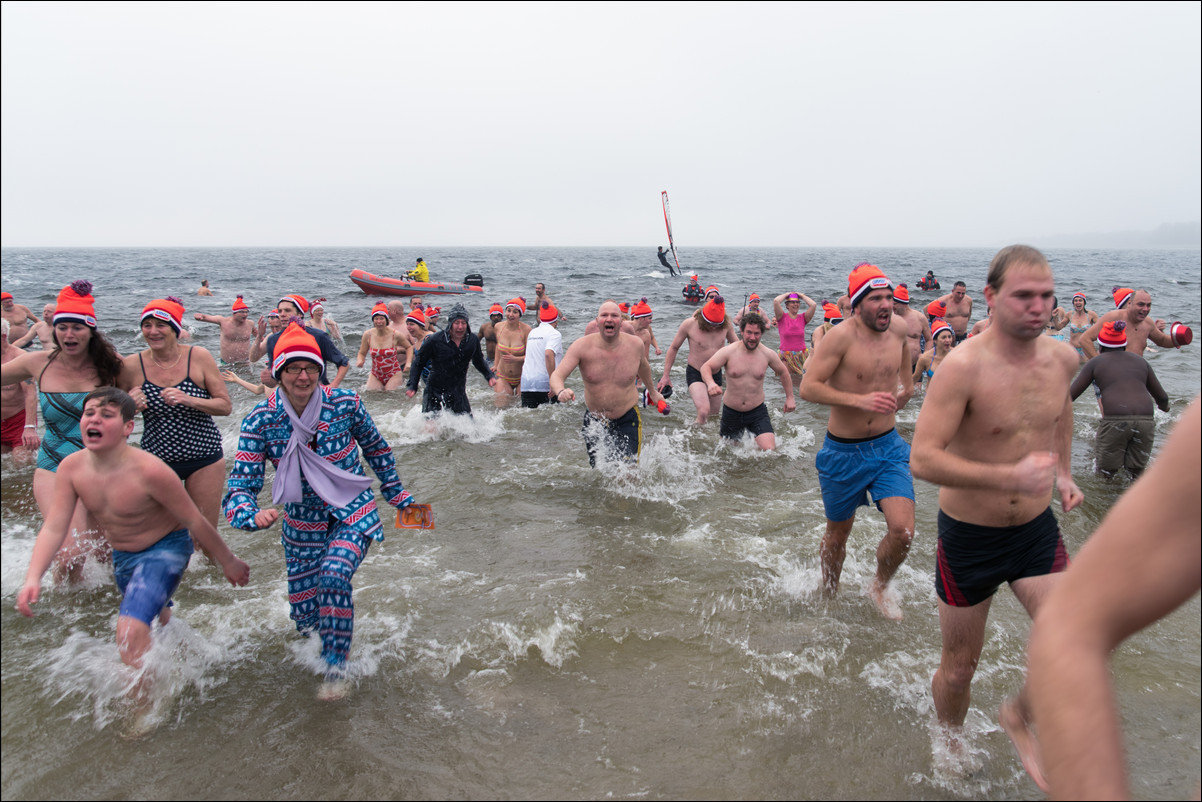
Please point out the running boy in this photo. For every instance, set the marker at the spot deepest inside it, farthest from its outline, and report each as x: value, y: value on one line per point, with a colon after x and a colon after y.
x: 139, y: 504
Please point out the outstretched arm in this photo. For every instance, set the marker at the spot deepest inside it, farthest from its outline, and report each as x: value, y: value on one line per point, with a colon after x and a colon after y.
x: 1141, y: 563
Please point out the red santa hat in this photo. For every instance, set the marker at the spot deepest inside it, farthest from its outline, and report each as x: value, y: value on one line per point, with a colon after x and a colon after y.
x: 641, y: 309
x: 518, y: 304
x: 295, y: 345
x: 863, y: 279
x: 417, y: 317
x: 831, y: 312
x: 714, y: 311
x: 1121, y: 296
x: 76, y: 304
x: 170, y: 310
x: 296, y: 300
x: 239, y: 305
x: 1113, y: 335
x: 547, y: 313
x: 936, y: 309
x: 901, y: 294
x: 380, y: 309
x: 940, y: 325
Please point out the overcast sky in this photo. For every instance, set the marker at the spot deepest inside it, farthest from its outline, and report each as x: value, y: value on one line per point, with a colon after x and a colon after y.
x: 907, y: 124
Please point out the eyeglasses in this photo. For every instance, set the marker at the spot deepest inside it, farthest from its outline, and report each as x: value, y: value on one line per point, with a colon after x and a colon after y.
x: 296, y: 370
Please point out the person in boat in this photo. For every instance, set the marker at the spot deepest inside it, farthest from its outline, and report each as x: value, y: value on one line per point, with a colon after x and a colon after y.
x: 663, y: 260
x: 448, y: 354
x: 692, y: 291
x: 313, y: 435
x: 419, y: 272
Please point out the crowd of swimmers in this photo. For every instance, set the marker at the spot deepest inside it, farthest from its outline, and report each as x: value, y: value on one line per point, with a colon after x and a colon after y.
x: 994, y: 432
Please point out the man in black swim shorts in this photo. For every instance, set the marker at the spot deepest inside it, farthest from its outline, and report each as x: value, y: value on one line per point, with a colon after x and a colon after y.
x: 706, y: 330
x: 1001, y: 398
x: 610, y: 360
x: 743, y: 408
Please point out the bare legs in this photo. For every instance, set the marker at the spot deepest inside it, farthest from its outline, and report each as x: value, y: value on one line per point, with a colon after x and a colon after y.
x: 890, y: 553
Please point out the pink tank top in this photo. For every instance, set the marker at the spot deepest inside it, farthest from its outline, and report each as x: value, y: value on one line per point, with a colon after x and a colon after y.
x: 792, y: 332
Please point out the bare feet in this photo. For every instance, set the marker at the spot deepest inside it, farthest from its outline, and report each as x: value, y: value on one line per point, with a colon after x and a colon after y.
x: 1011, y: 718
x: 333, y: 690
x: 886, y: 599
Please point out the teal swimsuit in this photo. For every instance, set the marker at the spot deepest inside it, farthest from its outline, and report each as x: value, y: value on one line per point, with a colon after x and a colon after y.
x: 60, y: 413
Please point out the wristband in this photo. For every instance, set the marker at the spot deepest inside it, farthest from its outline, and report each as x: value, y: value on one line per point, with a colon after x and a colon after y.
x: 31, y: 426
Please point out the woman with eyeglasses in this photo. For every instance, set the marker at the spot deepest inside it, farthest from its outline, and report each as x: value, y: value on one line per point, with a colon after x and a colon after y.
x: 312, y: 434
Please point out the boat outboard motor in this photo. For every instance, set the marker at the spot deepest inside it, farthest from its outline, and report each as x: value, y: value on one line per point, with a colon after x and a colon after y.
x: 474, y: 280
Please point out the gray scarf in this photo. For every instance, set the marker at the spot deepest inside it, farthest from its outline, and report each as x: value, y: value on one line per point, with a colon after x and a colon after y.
x: 335, y: 486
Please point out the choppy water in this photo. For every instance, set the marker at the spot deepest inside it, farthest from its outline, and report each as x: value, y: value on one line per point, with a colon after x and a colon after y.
x: 564, y: 632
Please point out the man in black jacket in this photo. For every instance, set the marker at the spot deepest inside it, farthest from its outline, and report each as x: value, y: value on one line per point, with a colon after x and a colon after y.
x: 449, y: 353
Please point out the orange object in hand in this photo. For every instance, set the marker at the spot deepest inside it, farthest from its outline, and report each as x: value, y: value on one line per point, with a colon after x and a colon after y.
x: 415, y: 516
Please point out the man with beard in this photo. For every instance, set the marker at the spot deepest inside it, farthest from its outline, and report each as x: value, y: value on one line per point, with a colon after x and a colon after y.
x: 610, y: 360
x: 1134, y: 307
x: 746, y: 365
x: 706, y: 331
x: 449, y: 353
x: 862, y: 372
x: 996, y: 432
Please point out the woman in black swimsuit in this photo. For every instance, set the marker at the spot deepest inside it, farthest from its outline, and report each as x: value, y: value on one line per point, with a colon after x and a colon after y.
x: 178, y: 389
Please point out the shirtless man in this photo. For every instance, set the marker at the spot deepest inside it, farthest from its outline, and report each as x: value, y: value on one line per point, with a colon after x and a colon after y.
x: 488, y: 332
x: 862, y: 371
x: 1133, y: 306
x: 204, y: 287
x: 1129, y: 389
x: 237, y: 332
x: 18, y: 405
x: 996, y: 433
x: 540, y: 295
x: 916, y: 329
x: 17, y: 315
x: 640, y: 317
x: 610, y: 361
x: 746, y: 365
x: 982, y: 324
x: 959, y: 310
x: 511, y: 353
x: 43, y: 330
x: 753, y: 305
x: 142, y: 508
x: 706, y: 330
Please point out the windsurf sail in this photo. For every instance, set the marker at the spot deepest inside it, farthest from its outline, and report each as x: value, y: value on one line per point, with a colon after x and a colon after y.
x: 671, y: 242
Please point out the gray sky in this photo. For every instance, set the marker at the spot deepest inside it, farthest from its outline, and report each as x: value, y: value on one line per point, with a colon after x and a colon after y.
x: 920, y: 124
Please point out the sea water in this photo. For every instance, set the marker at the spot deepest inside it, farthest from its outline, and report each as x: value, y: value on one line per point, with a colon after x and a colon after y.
x: 565, y: 632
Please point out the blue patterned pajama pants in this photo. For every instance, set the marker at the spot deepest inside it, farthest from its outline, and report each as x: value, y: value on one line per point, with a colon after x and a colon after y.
x: 322, y: 557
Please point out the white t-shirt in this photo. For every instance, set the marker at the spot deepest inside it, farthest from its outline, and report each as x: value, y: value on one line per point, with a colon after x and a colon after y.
x: 534, y: 370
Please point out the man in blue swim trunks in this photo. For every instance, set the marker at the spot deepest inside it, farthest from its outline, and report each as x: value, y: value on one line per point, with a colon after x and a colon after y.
x: 996, y: 433
x: 142, y: 508
x: 862, y: 372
